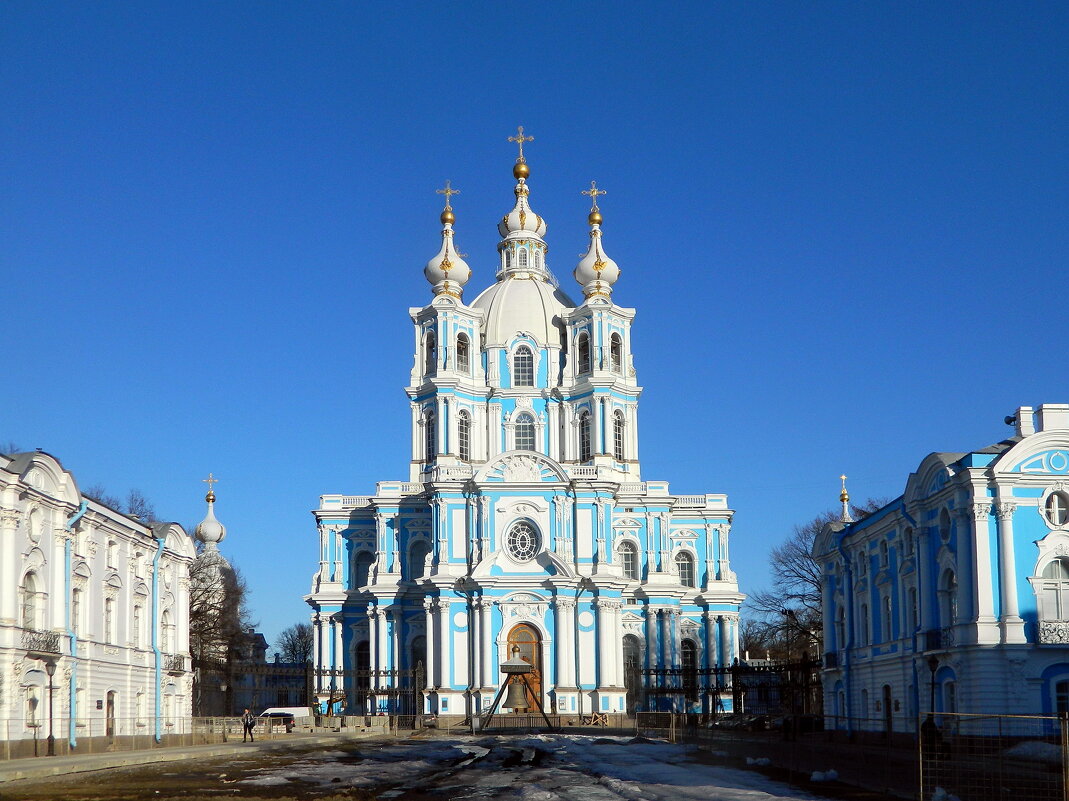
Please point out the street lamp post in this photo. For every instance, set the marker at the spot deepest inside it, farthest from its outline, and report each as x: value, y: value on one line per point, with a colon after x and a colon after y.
x: 50, y: 669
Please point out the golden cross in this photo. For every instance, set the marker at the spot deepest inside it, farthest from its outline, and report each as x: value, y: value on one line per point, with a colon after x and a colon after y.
x: 519, y: 139
x: 211, y: 479
x: 593, y: 191
x: 844, y: 481
x: 448, y: 192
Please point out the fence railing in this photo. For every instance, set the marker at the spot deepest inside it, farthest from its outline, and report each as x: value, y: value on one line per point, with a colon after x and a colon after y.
x: 992, y: 757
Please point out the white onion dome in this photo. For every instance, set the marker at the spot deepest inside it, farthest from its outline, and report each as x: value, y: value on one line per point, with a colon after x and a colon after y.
x: 596, y: 272
x: 521, y: 222
x: 447, y: 272
x: 209, y: 530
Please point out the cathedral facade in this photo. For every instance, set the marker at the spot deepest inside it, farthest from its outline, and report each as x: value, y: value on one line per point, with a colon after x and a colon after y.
x: 525, y: 527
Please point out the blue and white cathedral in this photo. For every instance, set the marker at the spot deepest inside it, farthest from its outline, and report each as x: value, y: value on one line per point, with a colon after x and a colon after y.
x: 525, y: 523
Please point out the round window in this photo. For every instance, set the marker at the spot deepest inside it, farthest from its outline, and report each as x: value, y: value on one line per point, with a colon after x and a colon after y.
x: 1057, y: 508
x: 522, y: 541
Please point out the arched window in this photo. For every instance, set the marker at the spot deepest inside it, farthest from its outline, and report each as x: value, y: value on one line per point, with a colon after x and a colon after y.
x: 632, y: 669
x: 1054, y: 590
x: 1057, y: 509
x: 582, y: 350
x: 840, y: 629
x: 525, y: 433
x: 629, y: 560
x: 417, y: 559
x: 948, y: 597
x: 886, y: 634
x: 135, y: 627
x: 944, y: 525
x: 885, y: 553
x: 522, y: 258
x: 914, y: 611
x: 863, y: 625
x: 584, y: 437
x: 430, y: 349
x: 1061, y: 698
x: 618, y: 436
x: 464, y: 436
x: 688, y: 658
x: 616, y: 353
x: 430, y: 434
x: 538, y: 259
x: 361, y: 572
x: 166, y: 630
x: 419, y: 657
x: 685, y: 565
x: 907, y: 541
x: 30, y: 607
x: 463, y: 354
x: 508, y: 259
x: 523, y: 367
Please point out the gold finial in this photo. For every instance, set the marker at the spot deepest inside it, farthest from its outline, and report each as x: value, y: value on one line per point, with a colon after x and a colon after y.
x: 211, y: 479
x: 844, y: 496
x: 519, y: 139
x: 595, y: 213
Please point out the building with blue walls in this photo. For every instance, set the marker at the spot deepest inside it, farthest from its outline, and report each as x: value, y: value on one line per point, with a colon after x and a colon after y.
x: 525, y: 522
x: 956, y: 594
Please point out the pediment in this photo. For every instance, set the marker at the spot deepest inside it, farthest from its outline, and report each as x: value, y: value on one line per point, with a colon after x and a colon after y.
x: 522, y: 467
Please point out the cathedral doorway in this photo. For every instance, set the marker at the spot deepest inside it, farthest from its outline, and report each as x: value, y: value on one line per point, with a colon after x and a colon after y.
x: 526, y: 638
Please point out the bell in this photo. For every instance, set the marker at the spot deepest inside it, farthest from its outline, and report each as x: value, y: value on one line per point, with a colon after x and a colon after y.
x: 517, y: 697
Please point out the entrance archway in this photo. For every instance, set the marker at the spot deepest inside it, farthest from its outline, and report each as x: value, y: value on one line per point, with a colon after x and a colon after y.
x: 527, y: 639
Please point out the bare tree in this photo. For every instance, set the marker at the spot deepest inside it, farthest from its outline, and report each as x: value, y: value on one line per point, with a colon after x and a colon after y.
x: 100, y: 494
x: 295, y: 643
x: 140, y: 507
x: 219, y: 622
x: 9, y: 448
x: 790, y: 614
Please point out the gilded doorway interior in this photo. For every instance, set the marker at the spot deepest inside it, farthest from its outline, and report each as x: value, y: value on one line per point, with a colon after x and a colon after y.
x: 527, y: 639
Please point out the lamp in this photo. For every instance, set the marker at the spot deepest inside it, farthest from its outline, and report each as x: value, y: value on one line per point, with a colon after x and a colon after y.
x: 50, y: 669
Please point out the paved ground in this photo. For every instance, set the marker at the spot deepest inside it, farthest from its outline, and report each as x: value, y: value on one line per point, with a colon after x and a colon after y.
x: 434, y: 768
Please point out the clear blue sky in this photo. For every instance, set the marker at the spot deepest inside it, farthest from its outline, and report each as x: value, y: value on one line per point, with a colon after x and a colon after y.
x: 843, y: 227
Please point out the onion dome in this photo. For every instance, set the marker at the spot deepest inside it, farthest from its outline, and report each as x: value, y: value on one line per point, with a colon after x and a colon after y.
x: 596, y: 272
x: 209, y: 530
x: 521, y: 222
x: 447, y: 271
x: 844, y: 499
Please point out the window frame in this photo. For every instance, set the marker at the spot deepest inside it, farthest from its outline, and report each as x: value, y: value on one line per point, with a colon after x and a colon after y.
x: 687, y: 578
x: 583, y: 365
x: 586, y: 452
x: 523, y: 373
x: 618, y: 443
x: 524, y: 431
x: 463, y: 354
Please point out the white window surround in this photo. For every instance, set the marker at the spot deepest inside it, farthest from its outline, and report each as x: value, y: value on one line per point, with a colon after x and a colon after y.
x: 513, y: 423
x: 1053, y: 506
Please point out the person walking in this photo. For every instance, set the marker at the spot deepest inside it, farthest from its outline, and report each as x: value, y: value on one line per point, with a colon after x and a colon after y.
x: 247, y: 722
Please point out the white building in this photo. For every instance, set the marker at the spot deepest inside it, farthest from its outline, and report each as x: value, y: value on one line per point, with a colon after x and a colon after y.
x: 955, y: 596
x: 97, y: 597
x: 525, y: 522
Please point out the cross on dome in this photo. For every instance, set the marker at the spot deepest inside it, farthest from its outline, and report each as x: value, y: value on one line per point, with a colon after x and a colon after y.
x: 448, y: 191
x: 211, y: 479
x: 519, y: 139
x: 593, y: 192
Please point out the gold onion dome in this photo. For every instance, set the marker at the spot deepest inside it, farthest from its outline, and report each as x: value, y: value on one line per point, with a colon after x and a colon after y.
x: 596, y: 272
x: 447, y: 271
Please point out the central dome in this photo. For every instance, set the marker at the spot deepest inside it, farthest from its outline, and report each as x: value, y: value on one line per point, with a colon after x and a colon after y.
x: 523, y: 304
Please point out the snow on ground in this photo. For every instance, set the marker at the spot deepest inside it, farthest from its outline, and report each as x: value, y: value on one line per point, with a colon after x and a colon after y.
x: 1038, y: 751
x: 535, y: 768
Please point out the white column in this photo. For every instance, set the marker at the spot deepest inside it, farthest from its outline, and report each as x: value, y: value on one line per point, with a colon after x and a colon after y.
x: 708, y: 618
x: 428, y: 625
x: 605, y: 644
x: 317, y: 649
x: 733, y: 621
x: 444, y: 623
x: 652, y: 652
x: 564, y: 636
x: 618, y: 642
x: 382, y: 652
x: 486, y: 630
x: 372, y: 644
x: 983, y: 596
x: 339, y: 654
x: 475, y: 634
x: 1011, y: 623
x: 725, y: 653
x: 9, y: 521
x: 924, y: 585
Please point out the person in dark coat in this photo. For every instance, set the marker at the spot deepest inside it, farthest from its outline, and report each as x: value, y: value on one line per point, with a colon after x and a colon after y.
x: 247, y: 723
